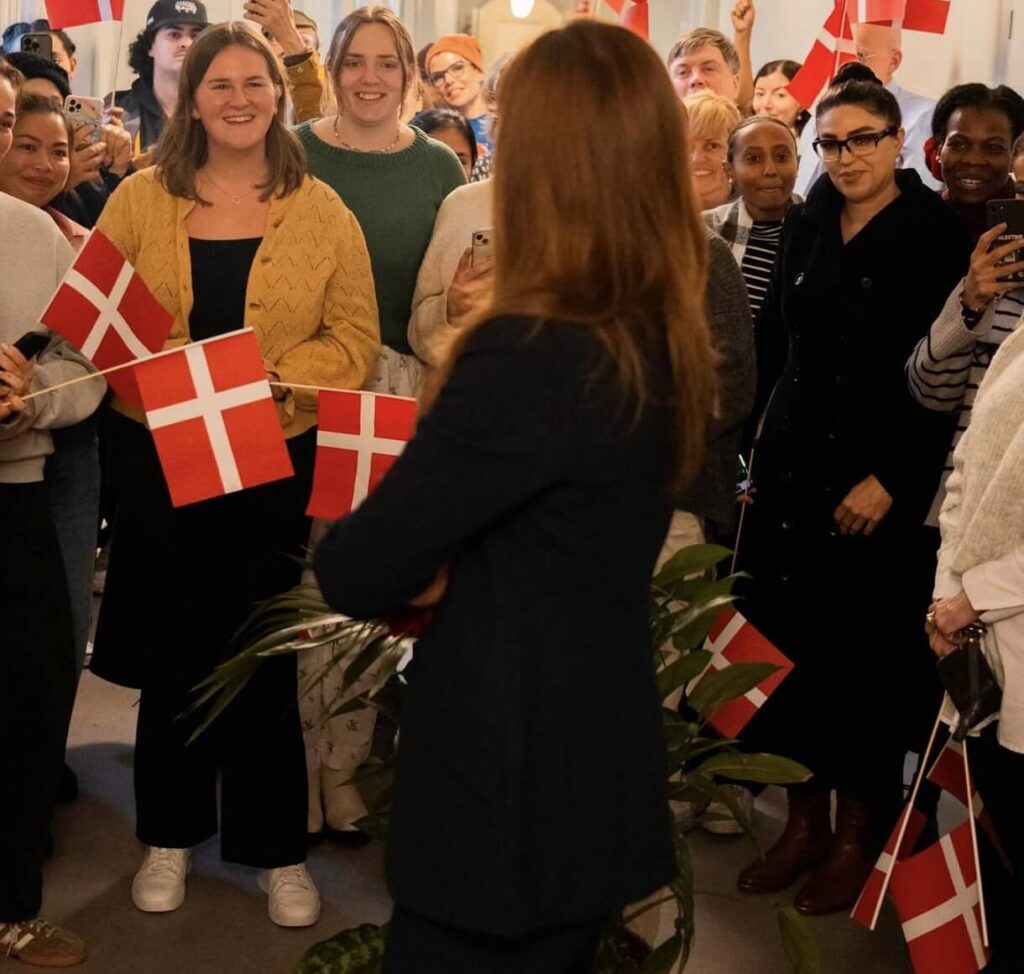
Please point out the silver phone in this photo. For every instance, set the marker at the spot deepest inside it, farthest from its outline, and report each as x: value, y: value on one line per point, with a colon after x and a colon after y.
x: 483, y: 246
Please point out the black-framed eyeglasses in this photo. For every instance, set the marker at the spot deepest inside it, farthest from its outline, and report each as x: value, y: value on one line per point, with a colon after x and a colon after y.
x: 455, y: 70
x: 860, y: 145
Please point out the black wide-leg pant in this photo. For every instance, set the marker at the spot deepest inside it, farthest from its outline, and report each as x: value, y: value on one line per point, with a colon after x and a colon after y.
x: 419, y: 945
x: 179, y: 585
x: 37, y: 688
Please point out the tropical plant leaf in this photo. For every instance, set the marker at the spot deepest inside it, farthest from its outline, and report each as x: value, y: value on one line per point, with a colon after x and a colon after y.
x: 727, y: 684
x: 375, y: 825
x: 359, y: 950
x: 798, y: 941
x: 680, y: 672
x: 682, y: 887
x: 664, y: 957
x: 691, y: 560
x: 692, y: 626
x: 765, y: 769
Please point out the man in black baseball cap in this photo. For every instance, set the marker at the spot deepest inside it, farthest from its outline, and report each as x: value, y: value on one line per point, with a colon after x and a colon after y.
x: 156, y: 56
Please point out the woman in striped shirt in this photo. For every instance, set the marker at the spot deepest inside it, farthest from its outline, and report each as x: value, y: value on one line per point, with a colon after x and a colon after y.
x: 975, y: 128
x: 762, y: 163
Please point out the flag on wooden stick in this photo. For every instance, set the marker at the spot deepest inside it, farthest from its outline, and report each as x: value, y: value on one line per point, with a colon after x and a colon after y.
x: 213, y: 418
x: 359, y: 437
x: 75, y: 13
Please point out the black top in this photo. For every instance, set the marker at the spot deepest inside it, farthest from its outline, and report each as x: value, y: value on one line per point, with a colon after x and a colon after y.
x: 220, y: 277
x: 531, y: 787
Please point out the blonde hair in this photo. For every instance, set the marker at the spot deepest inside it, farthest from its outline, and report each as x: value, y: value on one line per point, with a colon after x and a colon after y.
x: 711, y: 115
x: 183, y: 148
x: 604, y: 233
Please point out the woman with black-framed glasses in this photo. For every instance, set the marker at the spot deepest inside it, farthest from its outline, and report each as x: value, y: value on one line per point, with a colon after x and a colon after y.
x: 846, y: 465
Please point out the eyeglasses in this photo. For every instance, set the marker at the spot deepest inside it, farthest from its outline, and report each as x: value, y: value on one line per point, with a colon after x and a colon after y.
x: 861, y: 145
x: 455, y: 70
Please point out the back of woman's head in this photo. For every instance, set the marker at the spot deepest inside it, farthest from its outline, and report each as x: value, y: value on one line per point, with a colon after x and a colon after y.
x: 602, y: 226
x: 980, y: 98
x: 856, y: 84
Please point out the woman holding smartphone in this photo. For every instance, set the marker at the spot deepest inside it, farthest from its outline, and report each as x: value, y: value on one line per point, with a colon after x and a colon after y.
x: 846, y: 465
x: 530, y: 507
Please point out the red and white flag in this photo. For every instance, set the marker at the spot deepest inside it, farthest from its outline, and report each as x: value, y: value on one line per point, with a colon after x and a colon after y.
x: 869, y: 903
x: 833, y: 47
x: 949, y: 774
x: 213, y: 418
x: 104, y: 309
x: 359, y: 437
x: 876, y: 11
x: 929, y: 16
x: 732, y: 639
x: 74, y: 13
x: 938, y: 900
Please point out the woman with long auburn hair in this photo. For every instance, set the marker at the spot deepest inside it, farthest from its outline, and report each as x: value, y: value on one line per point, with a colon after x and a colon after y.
x: 529, y: 510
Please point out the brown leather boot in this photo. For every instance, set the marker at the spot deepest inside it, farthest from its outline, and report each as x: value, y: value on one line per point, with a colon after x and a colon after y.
x: 803, y: 844
x: 836, y: 884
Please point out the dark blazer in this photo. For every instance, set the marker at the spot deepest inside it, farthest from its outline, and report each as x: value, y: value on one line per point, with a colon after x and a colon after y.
x: 531, y: 787
x: 712, y: 494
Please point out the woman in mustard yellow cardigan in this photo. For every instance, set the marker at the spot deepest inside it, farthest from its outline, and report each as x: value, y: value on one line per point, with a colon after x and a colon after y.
x: 228, y: 230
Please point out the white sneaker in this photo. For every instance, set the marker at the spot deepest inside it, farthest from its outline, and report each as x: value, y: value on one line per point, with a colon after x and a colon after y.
x: 718, y: 818
x: 159, y: 885
x: 294, y: 900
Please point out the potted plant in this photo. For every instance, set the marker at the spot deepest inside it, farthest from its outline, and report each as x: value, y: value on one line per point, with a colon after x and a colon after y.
x: 686, y: 596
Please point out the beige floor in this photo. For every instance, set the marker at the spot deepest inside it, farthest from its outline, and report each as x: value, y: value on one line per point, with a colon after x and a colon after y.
x: 223, y: 925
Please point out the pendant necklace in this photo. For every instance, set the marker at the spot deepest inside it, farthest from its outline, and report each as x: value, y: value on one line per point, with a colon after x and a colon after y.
x: 352, y: 148
x: 236, y: 198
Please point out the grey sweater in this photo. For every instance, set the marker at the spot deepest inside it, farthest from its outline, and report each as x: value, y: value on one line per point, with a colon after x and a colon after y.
x: 712, y: 494
x: 33, y: 258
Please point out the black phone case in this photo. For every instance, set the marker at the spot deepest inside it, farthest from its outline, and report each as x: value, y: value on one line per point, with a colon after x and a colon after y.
x: 1010, y: 212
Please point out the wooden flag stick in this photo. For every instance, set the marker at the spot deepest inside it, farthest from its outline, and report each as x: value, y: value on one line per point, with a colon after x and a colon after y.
x: 974, y: 843
x: 921, y: 771
x: 81, y: 378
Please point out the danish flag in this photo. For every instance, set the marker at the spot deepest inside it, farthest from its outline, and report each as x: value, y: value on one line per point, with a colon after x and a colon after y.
x: 835, y: 46
x: 734, y: 640
x: 948, y: 773
x: 938, y: 899
x: 869, y: 903
x: 104, y: 309
x: 74, y: 13
x: 360, y: 436
x: 213, y: 418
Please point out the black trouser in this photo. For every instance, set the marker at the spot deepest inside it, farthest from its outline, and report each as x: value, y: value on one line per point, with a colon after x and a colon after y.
x: 418, y: 945
x: 37, y: 680
x: 180, y: 583
x: 999, y: 775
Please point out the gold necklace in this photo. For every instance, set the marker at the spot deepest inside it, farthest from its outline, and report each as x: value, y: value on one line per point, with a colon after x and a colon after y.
x: 352, y: 148
x: 236, y: 198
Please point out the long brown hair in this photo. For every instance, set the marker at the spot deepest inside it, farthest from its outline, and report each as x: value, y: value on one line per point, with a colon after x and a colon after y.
x: 183, y: 149
x: 595, y: 216
x: 345, y: 33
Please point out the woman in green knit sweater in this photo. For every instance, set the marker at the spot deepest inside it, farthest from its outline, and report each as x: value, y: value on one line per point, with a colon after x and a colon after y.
x: 390, y: 175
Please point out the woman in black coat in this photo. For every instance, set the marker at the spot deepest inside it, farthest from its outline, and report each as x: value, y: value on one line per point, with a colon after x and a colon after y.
x: 530, y: 798
x: 846, y: 466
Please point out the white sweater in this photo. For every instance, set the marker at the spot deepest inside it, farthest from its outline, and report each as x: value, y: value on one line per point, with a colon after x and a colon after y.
x: 465, y: 210
x: 34, y: 257
x: 982, y: 523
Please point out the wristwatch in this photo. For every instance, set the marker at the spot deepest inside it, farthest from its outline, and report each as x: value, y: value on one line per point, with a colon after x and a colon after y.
x: 971, y: 316
x: 290, y: 60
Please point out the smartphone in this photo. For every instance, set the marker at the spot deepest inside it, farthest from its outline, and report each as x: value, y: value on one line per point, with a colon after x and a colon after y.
x: 1010, y: 212
x: 86, y: 117
x: 483, y: 247
x: 40, y: 44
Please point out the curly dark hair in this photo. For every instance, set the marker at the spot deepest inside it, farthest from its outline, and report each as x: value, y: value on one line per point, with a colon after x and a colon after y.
x: 978, y: 96
x: 139, y: 59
